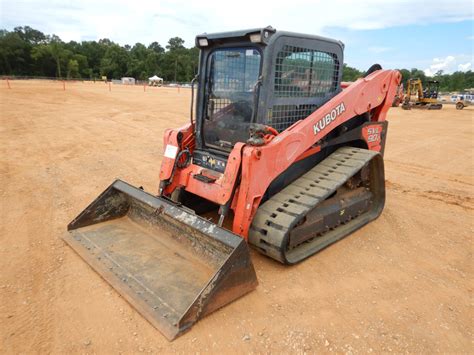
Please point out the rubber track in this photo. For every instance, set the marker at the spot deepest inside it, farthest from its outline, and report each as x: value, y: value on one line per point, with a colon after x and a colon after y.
x: 278, y: 215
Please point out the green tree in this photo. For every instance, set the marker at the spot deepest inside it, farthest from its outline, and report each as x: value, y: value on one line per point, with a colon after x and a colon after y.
x: 55, y: 49
x: 137, y: 61
x: 30, y: 35
x: 156, y: 47
x: 15, y: 54
x: 73, y: 68
x: 175, y: 43
x: 59, y: 52
x: 115, y: 61
x: 83, y: 66
x: 405, y: 75
x: 350, y: 74
x: 417, y: 74
x: 94, y: 52
x: 179, y: 63
x: 153, y: 63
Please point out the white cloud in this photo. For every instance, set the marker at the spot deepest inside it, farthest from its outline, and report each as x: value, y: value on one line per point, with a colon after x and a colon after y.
x: 146, y: 21
x: 464, y: 67
x: 440, y: 64
x: 449, y: 64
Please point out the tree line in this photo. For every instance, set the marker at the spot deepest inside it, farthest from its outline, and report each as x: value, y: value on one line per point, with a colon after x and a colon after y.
x: 457, y: 81
x: 28, y: 52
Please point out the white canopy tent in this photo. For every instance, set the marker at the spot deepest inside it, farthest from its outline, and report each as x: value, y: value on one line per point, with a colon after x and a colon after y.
x: 155, y: 81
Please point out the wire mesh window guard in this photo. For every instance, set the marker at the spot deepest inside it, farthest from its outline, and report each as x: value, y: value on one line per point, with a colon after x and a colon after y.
x: 234, y: 70
x: 301, y: 73
x: 281, y: 117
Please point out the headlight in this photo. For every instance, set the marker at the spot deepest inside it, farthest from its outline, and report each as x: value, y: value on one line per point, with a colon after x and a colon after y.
x: 203, y: 42
x: 255, y: 38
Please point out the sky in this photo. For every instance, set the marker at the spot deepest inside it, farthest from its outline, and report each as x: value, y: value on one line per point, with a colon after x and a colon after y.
x: 429, y: 35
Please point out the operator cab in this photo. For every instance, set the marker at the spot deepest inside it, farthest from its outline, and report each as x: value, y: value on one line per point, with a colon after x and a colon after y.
x: 431, y: 90
x: 229, y: 100
x: 259, y: 76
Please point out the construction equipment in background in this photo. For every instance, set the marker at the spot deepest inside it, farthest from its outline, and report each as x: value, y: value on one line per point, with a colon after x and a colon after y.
x: 425, y: 97
x: 399, y: 96
x: 461, y: 103
x: 275, y: 155
x: 460, y: 100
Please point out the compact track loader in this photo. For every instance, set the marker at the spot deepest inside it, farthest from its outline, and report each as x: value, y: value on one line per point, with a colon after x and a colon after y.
x: 276, y: 155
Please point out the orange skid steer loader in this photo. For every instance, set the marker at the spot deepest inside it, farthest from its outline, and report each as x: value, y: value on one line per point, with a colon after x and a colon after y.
x: 276, y: 155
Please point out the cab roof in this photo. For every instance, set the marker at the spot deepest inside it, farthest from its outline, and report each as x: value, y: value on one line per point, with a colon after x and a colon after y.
x: 270, y: 33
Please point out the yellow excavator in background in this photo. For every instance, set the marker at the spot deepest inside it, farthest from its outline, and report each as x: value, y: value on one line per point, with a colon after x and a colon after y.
x: 426, y: 98
x: 399, y: 96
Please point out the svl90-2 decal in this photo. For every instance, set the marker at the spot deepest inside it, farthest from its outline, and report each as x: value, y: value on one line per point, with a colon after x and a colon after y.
x: 372, y: 134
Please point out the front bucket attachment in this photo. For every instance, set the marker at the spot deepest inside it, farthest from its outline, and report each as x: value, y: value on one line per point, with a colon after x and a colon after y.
x: 173, y: 266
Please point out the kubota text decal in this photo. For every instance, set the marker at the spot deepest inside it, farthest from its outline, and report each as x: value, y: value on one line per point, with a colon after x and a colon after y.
x: 329, y: 117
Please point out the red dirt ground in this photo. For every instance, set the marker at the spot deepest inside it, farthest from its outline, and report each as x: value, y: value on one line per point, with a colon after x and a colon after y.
x: 402, y: 284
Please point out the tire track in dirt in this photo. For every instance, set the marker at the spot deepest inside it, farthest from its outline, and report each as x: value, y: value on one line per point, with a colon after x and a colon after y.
x: 465, y: 202
x: 424, y: 171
